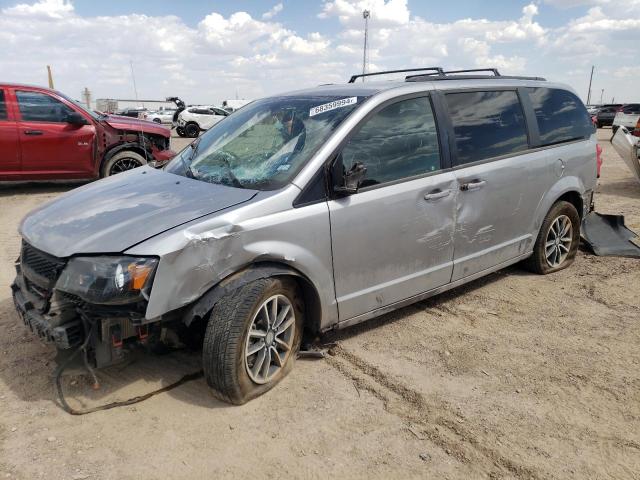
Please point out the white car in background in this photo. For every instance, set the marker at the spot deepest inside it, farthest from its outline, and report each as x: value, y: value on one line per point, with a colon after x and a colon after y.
x: 194, y: 120
x: 161, y: 116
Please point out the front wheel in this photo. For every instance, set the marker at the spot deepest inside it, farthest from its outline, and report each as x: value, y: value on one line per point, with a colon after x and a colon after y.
x: 252, y: 339
x: 121, y: 162
x: 558, y: 239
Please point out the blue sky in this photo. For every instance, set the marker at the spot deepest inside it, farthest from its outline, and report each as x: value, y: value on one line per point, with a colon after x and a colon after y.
x: 208, y: 51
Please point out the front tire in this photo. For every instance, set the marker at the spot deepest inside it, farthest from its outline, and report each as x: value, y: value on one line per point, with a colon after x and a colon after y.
x: 121, y: 162
x: 180, y: 131
x: 252, y: 339
x: 558, y: 240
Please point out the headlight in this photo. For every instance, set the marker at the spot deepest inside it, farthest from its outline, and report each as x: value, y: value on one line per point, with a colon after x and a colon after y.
x: 108, y: 280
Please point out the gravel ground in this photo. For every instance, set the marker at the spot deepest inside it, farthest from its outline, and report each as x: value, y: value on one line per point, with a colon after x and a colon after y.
x: 513, y: 376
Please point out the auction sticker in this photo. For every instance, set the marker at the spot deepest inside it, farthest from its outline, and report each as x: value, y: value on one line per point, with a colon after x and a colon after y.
x: 343, y: 102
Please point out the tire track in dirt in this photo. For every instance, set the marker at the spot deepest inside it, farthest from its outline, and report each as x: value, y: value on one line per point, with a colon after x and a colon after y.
x: 435, y: 418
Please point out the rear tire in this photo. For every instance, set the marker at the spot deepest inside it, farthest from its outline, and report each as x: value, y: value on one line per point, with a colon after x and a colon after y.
x: 234, y: 374
x: 180, y: 131
x: 558, y: 240
x: 192, y: 130
x: 122, y: 161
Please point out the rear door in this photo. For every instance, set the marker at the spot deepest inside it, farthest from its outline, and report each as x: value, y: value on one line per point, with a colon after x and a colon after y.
x: 393, y: 238
x: 500, y: 184
x: 51, y: 147
x: 9, y: 143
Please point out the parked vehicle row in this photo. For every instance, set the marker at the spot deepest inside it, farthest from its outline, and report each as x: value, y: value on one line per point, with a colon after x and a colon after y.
x: 312, y: 210
x: 45, y: 135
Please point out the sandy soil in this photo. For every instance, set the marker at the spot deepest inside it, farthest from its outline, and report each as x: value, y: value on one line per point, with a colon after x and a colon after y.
x: 513, y: 376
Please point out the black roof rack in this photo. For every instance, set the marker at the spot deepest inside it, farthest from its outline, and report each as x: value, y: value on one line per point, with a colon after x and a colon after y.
x: 437, y: 71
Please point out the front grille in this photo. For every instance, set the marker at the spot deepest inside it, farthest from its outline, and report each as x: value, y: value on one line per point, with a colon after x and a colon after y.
x: 43, y: 264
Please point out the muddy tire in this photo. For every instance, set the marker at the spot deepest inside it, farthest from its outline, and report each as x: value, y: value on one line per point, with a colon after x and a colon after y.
x: 252, y: 339
x: 191, y: 130
x: 558, y: 240
x: 121, y: 162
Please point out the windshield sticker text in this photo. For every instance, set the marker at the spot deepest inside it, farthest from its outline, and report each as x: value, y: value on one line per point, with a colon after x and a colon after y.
x: 343, y: 102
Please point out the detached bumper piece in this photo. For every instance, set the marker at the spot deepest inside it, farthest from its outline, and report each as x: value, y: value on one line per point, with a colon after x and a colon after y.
x: 606, y: 235
x: 64, y: 336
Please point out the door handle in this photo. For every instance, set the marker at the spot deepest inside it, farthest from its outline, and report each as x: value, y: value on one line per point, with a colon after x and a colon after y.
x: 33, y: 132
x: 429, y: 197
x: 473, y: 185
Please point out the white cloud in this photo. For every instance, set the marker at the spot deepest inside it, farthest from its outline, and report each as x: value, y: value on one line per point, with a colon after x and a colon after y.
x: 257, y: 56
x: 275, y: 10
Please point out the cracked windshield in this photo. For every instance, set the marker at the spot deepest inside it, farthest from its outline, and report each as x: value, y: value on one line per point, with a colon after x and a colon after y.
x: 263, y: 145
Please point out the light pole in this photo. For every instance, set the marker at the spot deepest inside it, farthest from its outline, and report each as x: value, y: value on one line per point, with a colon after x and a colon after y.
x: 365, y: 14
x: 601, y: 95
x: 589, y: 92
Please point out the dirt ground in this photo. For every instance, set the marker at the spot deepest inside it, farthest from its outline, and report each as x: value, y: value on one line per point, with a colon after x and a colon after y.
x: 513, y: 376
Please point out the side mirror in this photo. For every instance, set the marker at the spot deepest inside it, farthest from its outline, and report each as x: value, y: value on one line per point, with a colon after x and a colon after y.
x: 347, y: 183
x: 75, y: 118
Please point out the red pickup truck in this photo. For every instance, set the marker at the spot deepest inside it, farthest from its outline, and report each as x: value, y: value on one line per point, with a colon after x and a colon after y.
x: 44, y: 135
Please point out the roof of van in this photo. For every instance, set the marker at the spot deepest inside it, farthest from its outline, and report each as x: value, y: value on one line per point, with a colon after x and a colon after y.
x: 369, y: 88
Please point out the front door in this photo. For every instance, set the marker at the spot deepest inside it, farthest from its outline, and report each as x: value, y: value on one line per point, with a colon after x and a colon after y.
x: 51, y: 147
x: 9, y: 144
x: 393, y: 238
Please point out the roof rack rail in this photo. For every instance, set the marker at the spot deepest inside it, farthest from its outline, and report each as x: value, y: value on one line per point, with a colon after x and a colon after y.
x: 453, y: 75
x: 437, y: 71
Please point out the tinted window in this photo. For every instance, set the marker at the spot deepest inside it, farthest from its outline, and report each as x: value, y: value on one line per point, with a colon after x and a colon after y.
x: 561, y: 115
x: 632, y: 108
x: 399, y: 141
x: 487, y: 124
x: 3, y: 106
x: 39, y: 107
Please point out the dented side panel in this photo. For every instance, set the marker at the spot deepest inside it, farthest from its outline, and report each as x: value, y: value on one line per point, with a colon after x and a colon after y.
x: 195, y: 257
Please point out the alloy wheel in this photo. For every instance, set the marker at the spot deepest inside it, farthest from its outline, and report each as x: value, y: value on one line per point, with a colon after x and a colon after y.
x: 124, y: 164
x: 558, y: 242
x: 270, y: 339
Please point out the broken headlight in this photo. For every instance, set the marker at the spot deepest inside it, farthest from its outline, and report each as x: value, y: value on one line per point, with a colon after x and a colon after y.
x: 108, y: 280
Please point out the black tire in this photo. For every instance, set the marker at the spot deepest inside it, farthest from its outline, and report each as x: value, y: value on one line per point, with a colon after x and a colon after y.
x: 191, y: 130
x: 180, y: 131
x: 225, y: 340
x: 538, y: 261
x: 122, y: 161
x: 157, y: 120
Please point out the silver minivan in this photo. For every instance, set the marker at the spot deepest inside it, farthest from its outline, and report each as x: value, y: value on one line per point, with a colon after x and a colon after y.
x: 311, y: 211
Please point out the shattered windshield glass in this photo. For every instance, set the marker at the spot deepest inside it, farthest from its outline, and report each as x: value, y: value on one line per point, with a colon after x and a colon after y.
x: 263, y: 145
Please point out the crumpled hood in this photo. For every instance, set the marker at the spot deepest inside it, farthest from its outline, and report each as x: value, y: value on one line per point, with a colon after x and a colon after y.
x: 136, y: 124
x: 111, y: 215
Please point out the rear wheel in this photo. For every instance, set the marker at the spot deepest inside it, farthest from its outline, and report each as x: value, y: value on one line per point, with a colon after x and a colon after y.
x: 191, y: 130
x: 180, y: 131
x: 252, y: 339
x: 558, y: 239
x: 121, y: 162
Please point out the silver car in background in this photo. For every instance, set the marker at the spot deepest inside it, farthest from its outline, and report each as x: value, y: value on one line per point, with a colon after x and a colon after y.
x: 310, y: 211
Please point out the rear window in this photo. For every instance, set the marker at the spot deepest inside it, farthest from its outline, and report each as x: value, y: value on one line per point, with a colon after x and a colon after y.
x: 561, y: 115
x: 3, y: 106
x: 487, y: 124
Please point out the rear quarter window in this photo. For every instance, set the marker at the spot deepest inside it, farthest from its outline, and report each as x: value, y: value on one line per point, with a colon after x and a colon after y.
x: 3, y: 106
x: 561, y: 116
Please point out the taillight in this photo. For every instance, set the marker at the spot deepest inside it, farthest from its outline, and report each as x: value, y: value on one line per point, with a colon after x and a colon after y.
x: 598, y: 158
x: 636, y: 131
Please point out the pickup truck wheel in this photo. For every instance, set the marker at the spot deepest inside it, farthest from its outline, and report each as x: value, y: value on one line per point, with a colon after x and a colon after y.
x: 252, y: 339
x: 558, y: 239
x: 121, y: 162
x: 192, y: 130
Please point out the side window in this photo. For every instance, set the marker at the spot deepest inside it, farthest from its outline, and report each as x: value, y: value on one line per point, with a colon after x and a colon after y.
x: 3, y: 106
x: 40, y: 107
x: 397, y: 142
x: 561, y: 115
x: 487, y: 124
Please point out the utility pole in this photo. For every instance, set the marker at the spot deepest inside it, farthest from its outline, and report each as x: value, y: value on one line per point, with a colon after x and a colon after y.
x: 590, y: 80
x: 50, y: 75
x: 365, y: 14
x: 135, y: 89
x: 601, y: 95
x: 87, y: 97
